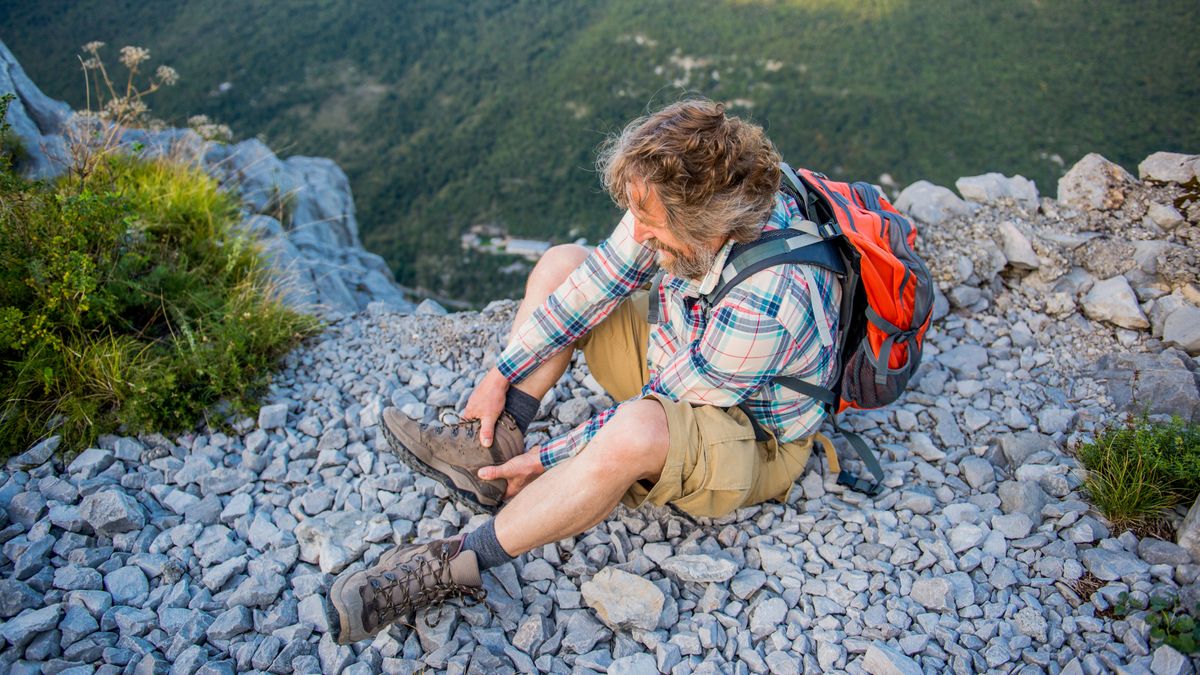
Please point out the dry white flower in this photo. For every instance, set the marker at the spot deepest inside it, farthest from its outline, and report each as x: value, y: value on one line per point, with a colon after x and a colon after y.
x: 167, y: 75
x: 197, y: 120
x: 132, y: 56
x: 93, y: 47
x: 92, y: 63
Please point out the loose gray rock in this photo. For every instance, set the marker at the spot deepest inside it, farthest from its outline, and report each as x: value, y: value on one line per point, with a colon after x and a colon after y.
x: 1094, y: 184
x: 1113, y: 301
x: 16, y: 597
x: 112, y: 512
x: 1016, y: 247
x: 91, y: 462
x: 272, y: 416
x: 882, y: 659
x: 931, y: 203
x: 623, y: 600
x: 1188, y: 535
x: 700, y: 568
x: 977, y: 471
x: 127, y: 585
x: 35, y: 456
x: 993, y: 187
x: 767, y: 616
x: 933, y: 593
x: 233, y: 622
x: 1169, y: 167
x: 1158, y: 552
x: 1112, y: 565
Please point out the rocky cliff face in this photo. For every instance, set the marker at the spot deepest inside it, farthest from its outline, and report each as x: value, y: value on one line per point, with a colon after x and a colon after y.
x: 300, y: 208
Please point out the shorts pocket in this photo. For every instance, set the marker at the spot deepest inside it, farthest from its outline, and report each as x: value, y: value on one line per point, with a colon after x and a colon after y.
x: 719, y: 473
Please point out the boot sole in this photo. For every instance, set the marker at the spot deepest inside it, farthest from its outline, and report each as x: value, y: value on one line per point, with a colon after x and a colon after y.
x: 467, y: 499
x: 334, y: 615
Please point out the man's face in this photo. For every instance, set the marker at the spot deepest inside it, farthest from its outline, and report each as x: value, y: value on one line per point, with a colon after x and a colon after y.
x: 650, y: 228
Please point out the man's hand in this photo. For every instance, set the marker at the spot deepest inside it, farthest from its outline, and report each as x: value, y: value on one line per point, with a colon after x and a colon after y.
x: 518, y: 471
x: 486, y: 404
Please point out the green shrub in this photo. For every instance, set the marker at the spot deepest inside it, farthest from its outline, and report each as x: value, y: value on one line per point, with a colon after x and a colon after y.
x: 1138, y: 471
x: 1169, y: 621
x: 131, y: 300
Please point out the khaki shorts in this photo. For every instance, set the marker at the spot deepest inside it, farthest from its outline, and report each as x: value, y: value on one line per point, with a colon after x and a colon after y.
x: 713, y: 465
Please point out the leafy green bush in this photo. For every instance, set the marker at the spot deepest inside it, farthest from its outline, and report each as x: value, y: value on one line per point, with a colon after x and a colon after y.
x: 1138, y: 471
x: 1169, y: 621
x: 132, y: 300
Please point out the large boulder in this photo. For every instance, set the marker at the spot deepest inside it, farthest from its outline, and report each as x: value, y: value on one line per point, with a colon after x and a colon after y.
x: 1157, y: 384
x: 1094, y: 184
x: 931, y: 203
x: 994, y: 187
x: 37, y: 120
x: 1170, y: 167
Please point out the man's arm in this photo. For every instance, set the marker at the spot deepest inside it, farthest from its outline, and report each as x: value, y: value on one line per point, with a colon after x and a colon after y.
x: 617, y: 267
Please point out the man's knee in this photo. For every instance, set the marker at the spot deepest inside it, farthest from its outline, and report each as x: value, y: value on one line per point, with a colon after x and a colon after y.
x: 555, y: 265
x: 635, y: 441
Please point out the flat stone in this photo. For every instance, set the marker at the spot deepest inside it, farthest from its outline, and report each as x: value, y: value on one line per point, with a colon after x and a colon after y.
x: 1112, y: 300
x: 127, y: 585
x: 90, y: 462
x: 233, y: 622
x: 224, y: 480
x: 35, y: 456
x: 882, y: 659
x: 634, y: 664
x: 1158, y: 552
x: 1031, y: 622
x: 257, y: 591
x: 26, y: 508
x: 1016, y: 247
x: 964, y: 359
x: 1168, y: 661
x: 623, y: 600
x: 272, y: 416
x: 931, y: 203
x: 77, y: 578
x: 1013, y: 525
x: 16, y: 597
x: 1181, y: 328
x: 767, y: 616
x: 1023, y: 497
x: 22, y: 628
x: 700, y: 568
x: 932, y: 593
x: 77, y: 624
x: 1112, y: 565
x: 1169, y: 167
x: 977, y: 471
x: 333, y: 539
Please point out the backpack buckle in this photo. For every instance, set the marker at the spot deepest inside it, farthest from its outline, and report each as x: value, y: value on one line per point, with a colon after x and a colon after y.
x: 867, y: 487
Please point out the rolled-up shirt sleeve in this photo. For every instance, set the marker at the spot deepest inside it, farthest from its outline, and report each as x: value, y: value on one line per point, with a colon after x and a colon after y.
x: 612, y: 271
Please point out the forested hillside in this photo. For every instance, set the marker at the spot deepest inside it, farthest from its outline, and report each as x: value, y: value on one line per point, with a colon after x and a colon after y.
x: 448, y: 114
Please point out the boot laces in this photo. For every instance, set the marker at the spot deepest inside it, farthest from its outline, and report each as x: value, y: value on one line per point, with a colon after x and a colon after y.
x: 398, y: 598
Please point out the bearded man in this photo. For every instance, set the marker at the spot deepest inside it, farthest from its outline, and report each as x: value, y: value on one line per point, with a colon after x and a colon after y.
x: 694, y: 382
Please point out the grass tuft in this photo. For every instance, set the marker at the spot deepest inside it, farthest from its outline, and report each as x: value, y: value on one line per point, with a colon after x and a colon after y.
x: 129, y: 300
x: 1139, y: 471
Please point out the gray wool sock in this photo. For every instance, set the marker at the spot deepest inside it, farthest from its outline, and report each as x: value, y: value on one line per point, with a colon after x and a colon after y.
x: 487, y: 548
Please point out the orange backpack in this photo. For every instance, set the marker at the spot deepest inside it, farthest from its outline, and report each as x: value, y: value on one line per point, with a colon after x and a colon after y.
x: 887, y: 294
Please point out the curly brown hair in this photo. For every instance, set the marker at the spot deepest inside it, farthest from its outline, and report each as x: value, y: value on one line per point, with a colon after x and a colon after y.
x: 716, y: 175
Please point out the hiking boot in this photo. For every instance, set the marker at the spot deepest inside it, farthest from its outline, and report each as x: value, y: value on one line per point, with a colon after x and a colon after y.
x: 451, y: 455
x: 405, y: 580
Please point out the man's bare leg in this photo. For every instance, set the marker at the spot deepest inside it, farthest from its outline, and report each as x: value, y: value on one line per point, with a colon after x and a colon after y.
x: 551, y: 270
x: 579, y: 493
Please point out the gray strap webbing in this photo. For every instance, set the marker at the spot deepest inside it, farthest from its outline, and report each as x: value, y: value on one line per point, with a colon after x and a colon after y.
x: 653, y: 310
x: 818, y: 306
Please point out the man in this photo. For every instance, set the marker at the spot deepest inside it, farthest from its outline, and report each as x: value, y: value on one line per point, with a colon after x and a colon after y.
x: 694, y: 182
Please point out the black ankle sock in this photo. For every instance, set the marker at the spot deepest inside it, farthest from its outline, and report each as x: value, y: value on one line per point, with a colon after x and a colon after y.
x: 521, y: 406
x: 487, y: 548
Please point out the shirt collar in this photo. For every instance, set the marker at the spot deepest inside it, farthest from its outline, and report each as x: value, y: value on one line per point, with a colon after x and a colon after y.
x: 695, y: 289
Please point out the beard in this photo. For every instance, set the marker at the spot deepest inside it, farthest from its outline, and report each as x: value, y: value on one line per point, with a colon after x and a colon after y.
x: 691, y: 266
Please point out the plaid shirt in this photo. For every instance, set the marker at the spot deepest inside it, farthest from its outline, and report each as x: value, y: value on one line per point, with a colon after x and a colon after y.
x: 763, y: 327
